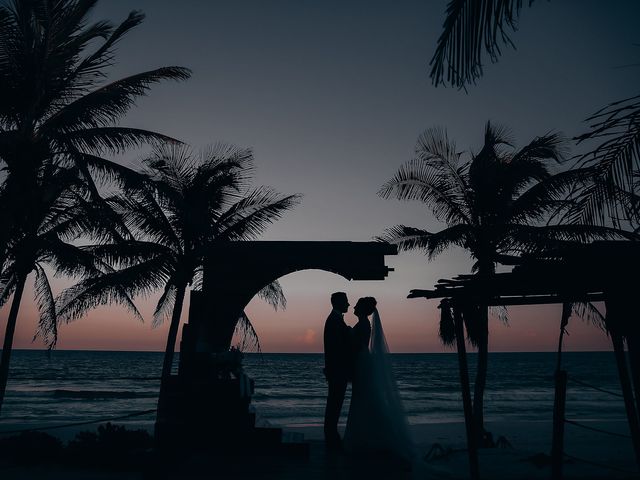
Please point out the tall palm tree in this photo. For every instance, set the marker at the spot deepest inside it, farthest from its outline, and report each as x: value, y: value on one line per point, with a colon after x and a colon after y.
x: 183, y: 206
x: 496, y: 204
x: 62, y: 212
x: 54, y: 100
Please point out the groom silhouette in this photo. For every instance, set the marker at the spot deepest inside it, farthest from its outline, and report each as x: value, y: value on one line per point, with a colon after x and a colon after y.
x: 338, y: 362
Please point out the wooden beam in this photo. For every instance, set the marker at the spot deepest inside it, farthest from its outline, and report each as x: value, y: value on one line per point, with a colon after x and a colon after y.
x: 460, y: 295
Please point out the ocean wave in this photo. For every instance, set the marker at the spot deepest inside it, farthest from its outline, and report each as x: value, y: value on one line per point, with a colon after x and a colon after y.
x: 69, y: 378
x: 96, y: 394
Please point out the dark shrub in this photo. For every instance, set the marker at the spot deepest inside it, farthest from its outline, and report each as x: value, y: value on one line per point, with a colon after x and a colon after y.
x: 31, y: 447
x: 113, y: 446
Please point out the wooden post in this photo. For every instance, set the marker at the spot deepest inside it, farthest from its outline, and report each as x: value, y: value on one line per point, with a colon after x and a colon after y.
x: 634, y: 364
x: 613, y: 322
x: 557, y: 445
x: 559, y: 401
x: 627, y: 393
x: 472, y: 448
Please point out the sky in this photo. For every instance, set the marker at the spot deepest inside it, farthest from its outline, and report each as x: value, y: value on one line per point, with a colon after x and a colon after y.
x: 331, y: 96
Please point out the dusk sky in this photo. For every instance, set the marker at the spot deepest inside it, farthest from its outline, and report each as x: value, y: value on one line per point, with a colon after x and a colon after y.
x: 331, y: 96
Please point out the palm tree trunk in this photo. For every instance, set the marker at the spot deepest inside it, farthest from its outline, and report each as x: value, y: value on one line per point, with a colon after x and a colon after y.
x: 481, y: 373
x: 171, y: 338
x: 8, y: 337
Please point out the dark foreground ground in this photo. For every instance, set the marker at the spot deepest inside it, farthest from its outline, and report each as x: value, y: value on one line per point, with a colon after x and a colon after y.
x: 596, y: 456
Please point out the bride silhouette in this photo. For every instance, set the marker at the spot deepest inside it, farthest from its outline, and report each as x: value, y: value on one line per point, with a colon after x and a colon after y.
x: 377, y: 422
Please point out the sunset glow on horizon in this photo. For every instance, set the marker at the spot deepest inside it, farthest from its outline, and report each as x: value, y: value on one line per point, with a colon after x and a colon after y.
x: 299, y: 328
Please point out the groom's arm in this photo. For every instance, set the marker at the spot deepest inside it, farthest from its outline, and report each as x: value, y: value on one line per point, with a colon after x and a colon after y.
x: 331, y: 346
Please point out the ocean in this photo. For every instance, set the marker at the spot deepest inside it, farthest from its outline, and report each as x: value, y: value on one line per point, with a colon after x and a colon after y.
x: 76, y: 386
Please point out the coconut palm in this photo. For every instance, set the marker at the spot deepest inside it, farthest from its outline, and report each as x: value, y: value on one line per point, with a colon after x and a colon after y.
x: 55, y: 102
x: 184, y: 206
x: 61, y: 213
x: 494, y: 204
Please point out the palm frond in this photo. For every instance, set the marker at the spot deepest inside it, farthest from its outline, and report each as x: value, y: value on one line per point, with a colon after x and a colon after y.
x: 538, y: 239
x: 471, y: 29
x: 92, y: 66
x: 501, y: 313
x: 111, y: 139
x: 142, y: 214
x: 67, y: 259
x: 550, y: 194
x: 248, y: 335
x: 164, y: 307
x: 8, y: 281
x: 108, y: 104
x: 410, y: 238
x: 615, y: 158
x: 417, y: 180
x: 109, y: 172
x: 250, y: 216
x: 588, y: 312
x: 128, y: 253
x: 115, y: 287
x: 274, y: 295
x: 446, y: 329
x: 47, y: 324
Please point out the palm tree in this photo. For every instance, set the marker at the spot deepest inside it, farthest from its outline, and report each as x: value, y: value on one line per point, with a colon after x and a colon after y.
x: 54, y: 100
x: 61, y: 213
x: 182, y: 207
x: 494, y: 205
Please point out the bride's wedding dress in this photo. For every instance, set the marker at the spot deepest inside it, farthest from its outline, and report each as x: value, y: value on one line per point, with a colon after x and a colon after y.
x: 377, y: 421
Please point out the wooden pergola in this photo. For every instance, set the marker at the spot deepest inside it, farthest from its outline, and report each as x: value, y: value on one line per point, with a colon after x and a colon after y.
x: 599, y: 272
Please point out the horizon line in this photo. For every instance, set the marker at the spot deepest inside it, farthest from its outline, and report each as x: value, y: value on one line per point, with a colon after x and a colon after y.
x: 453, y: 352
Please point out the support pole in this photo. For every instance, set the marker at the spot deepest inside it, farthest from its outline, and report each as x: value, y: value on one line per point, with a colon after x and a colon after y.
x: 614, y: 323
x: 627, y: 393
x: 472, y: 448
x: 559, y: 402
x: 557, y: 445
x: 633, y: 347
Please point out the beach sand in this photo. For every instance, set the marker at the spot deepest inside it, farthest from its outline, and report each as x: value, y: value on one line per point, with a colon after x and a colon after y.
x: 529, y: 440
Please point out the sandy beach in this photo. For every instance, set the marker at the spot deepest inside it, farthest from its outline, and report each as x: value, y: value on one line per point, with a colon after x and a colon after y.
x: 608, y: 457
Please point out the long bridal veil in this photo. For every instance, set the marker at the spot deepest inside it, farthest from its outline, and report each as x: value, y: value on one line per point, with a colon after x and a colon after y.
x: 385, y: 384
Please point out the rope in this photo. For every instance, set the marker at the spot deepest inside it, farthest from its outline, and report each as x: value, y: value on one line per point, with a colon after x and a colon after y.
x: 594, y: 387
x: 89, y: 422
x: 572, y: 422
x: 601, y: 465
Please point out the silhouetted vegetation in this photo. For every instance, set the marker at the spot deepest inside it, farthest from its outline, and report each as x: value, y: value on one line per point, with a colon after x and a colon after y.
x: 612, y: 197
x: 179, y: 208
x: 31, y: 448
x: 110, y: 447
x: 57, y: 119
x: 497, y: 205
x: 471, y: 29
x: 475, y: 28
